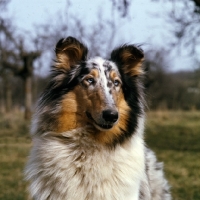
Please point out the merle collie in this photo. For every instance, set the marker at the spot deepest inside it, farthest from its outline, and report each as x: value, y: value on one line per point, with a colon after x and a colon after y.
x: 88, y: 127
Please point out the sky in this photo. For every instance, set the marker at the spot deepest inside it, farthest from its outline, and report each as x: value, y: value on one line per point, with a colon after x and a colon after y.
x: 26, y: 13
x: 146, y: 22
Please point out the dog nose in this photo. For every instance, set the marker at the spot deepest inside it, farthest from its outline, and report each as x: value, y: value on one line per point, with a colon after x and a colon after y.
x: 110, y: 115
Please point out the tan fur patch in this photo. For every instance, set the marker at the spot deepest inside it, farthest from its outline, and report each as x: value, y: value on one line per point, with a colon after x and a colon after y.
x: 94, y: 73
x: 69, y: 55
x: 113, y: 75
x: 70, y: 116
x: 132, y: 65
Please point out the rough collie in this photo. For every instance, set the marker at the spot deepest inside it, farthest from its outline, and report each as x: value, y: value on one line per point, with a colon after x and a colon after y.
x: 88, y: 129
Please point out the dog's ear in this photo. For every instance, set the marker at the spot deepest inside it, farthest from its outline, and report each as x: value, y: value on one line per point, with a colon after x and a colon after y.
x: 129, y: 59
x: 69, y: 52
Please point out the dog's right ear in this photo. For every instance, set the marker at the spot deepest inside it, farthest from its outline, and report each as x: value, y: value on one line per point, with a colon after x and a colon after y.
x: 69, y: 52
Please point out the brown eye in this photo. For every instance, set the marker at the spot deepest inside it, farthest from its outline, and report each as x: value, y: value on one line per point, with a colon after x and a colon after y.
x: 116, y: 83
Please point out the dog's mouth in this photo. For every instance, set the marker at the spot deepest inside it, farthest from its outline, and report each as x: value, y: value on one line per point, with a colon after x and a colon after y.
x: 104, y: 126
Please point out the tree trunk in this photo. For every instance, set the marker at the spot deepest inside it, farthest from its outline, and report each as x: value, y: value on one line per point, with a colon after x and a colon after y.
x: 2, y: 99
x: 8, y: 93
x: 28, y: 96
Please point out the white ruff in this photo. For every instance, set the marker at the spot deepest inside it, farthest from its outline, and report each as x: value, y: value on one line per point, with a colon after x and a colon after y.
x: 77, y: 168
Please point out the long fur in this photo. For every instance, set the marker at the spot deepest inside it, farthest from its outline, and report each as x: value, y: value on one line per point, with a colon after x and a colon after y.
x: 88, y: 130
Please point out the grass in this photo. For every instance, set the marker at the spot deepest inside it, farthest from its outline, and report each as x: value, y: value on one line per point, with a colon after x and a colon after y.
x: 14, y: 148
x: 174, y: 136
x: 174, y: 130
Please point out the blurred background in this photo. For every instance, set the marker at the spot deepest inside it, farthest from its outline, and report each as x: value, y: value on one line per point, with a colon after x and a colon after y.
x: 169, y: 33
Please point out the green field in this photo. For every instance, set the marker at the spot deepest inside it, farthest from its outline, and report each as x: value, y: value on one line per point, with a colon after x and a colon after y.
x: 174, y: 136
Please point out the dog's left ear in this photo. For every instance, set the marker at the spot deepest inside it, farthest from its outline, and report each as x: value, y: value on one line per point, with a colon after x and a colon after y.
x: 69, y: 52
x: 129, y: 59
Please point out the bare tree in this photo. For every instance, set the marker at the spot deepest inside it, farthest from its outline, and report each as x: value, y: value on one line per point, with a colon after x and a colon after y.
x: 184, y: 18
x: 15, y: 60
x: 27, y: 73
x: 122, y: 6
x: 6, y: 55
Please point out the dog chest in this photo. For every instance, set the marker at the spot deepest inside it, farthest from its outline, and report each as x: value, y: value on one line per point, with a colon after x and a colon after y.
x: 78, y: 171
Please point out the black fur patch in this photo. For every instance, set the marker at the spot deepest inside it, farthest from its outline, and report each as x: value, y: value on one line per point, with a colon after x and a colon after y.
x: 57, y: 88
x: 133, y: 93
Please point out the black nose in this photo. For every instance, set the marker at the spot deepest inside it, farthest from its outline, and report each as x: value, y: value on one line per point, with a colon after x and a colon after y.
x: 110, y: 115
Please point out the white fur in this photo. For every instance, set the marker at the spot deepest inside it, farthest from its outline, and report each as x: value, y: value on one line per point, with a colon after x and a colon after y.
x: 102, y: 78
x: 75, y: 167
x: 80, y: 169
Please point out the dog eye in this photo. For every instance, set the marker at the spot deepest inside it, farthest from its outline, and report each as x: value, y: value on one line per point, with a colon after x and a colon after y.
x: 90, y: 80
x: 116, y: 82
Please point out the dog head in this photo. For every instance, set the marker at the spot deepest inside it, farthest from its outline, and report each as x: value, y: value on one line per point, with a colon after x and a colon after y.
x: 104, y: 94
